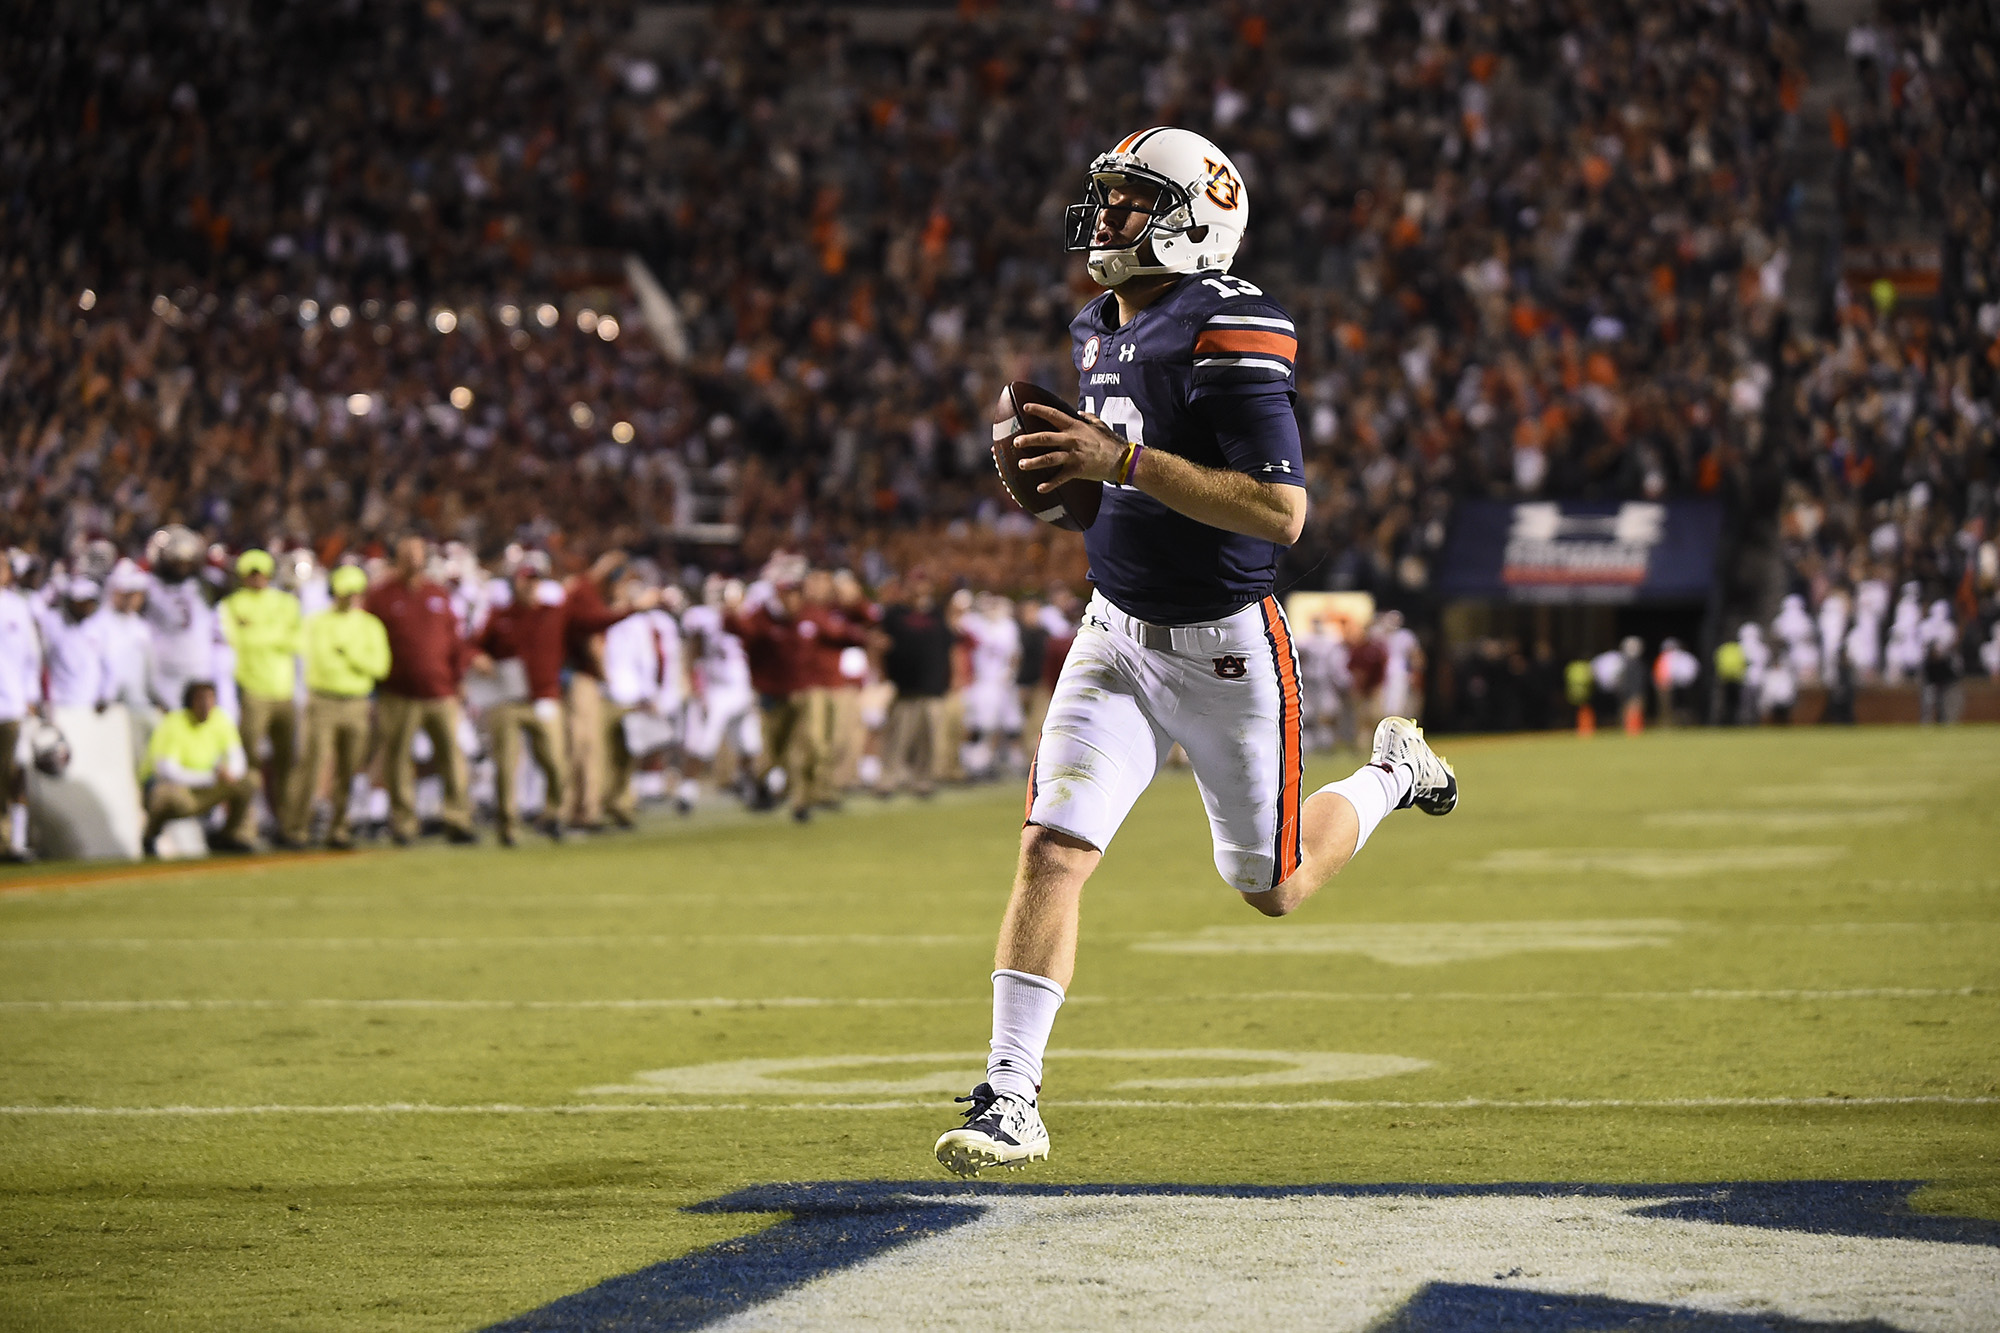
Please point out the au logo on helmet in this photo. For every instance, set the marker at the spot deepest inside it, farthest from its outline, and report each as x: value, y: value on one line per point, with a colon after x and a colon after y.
x: 1223, y: 189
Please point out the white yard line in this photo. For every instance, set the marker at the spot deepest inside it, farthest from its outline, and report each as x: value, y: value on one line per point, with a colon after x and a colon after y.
x: 1121, y: 1104
x: 28, y: 944
x: 652, y: 1004
x: 1551, y: 996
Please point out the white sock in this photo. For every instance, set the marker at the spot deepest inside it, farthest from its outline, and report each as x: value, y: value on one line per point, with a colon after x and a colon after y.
x: 1373, y: 792
x: 17, y: 828
x: 1024, y: 1012
x: 690, y: 791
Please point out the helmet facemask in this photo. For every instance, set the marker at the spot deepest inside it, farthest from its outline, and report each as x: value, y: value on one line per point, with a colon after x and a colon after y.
x: 1169, y: 218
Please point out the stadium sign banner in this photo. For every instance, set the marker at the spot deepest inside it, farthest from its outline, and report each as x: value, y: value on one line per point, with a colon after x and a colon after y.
x: 1582, y: 551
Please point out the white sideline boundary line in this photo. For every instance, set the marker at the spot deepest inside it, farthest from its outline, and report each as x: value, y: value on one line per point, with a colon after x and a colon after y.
x: 28, y: 944
x: 633, y: 1005
x: 705, y: 1108
x: 671, y: 1003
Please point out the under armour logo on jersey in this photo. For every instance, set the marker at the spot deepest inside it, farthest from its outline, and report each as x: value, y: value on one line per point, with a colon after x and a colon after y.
x: 1126, y: 351
x: 1231, y: 667
x: 1282, y: 465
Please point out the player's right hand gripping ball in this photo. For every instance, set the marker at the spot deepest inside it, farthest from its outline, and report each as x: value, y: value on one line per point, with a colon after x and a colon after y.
x: 1073, y: 504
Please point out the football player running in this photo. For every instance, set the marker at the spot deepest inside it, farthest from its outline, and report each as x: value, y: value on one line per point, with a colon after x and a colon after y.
x: 1186, y: 388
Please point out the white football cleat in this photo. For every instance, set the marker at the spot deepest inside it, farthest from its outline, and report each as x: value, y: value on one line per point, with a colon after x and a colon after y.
x: 1433, y: 786
x: 1000, y: 1130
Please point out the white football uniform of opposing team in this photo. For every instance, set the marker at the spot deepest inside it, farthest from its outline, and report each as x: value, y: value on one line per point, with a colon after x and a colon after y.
x: 1398, y: 672
x: 184, y: 638
x: 130, y: 640
x: 642, y: 663
x: 1324, y: 678
x: 992, y: 703
x: 20, y: 659
x: 721, y: 703
x: 78, y: 659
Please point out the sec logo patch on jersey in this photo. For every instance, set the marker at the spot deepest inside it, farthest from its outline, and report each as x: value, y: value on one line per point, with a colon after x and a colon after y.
x: 1090, y: 350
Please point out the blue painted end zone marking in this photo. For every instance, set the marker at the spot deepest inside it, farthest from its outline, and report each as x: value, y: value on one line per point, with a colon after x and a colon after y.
x: 709, y: 1285
x: 1450, y: 1308
x: 834, y: 1225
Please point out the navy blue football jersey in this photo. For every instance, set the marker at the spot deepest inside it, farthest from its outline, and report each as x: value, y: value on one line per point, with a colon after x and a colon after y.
x: 1204, y: 372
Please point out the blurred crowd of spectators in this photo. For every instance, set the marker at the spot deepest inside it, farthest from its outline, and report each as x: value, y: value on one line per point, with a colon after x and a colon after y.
x: 1893, y: 439
x: 323, y: 274
x: 343, y: 268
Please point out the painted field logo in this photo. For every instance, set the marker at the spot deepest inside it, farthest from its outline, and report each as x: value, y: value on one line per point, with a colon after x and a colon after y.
x: 828, y: 1076
x: 1783, y: 1257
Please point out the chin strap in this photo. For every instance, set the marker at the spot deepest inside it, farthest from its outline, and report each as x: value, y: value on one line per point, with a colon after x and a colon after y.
x: 1134, y: 270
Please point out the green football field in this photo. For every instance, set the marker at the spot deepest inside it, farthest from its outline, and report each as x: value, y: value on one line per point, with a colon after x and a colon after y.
x: 430, y: 1089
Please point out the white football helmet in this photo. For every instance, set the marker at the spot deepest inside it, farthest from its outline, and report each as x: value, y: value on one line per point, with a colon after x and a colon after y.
x: 1196, y: 223
x: 175, y: 552
x: 48, y: 747
x: 297, y: 568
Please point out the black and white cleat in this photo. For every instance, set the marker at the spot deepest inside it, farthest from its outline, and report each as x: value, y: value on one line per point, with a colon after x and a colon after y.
x: 1399, y: 742
x: 999, y: 1130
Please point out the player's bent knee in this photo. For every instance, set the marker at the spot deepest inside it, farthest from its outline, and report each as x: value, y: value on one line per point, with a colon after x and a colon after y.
x: 1247, y: 872
x: 1047, y: 852
x: 1286, y: 898
x: 1272, y: 902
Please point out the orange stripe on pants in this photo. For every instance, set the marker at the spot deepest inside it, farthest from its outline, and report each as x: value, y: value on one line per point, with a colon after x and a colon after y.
x: 1291, y: 761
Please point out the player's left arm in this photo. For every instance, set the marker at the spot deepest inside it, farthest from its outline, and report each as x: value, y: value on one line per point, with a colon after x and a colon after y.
x: 1229, y: 498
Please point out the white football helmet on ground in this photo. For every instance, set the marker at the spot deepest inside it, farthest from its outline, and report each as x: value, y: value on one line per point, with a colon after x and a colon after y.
x: 1195, y: 225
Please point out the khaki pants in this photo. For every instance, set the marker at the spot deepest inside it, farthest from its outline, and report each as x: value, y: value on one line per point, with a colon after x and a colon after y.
x: 796, y: 736
x: 336, y: 729
x: 168, y: 801
x: 846, y: 738
x: 545, y: 742
x: 278, y: 721
x: 1034, y: 711
x: 947, y: 765
x: 401, y: 719
x: 913, y: 743
x: 619, y: 765
x: 587, y: 759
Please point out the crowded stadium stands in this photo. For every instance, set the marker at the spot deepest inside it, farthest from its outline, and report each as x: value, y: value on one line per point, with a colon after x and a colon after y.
x: 551, y: 280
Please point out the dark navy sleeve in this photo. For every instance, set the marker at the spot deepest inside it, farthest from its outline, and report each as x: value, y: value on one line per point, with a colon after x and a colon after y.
x: 1257, y: 430
x: 1244, y: 342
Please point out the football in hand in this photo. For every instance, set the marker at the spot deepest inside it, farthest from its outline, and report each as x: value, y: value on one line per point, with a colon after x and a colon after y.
x: 1073, y: 504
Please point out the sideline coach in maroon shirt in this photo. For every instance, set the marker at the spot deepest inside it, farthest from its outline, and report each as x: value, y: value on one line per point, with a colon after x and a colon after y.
x: 426, y: 662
